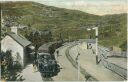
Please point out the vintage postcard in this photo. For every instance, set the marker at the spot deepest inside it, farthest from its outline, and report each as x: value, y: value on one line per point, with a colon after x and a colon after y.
x: 63, y: 40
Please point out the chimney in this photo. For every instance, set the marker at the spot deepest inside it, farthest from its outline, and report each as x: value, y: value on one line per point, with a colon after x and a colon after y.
x: 14, y: 29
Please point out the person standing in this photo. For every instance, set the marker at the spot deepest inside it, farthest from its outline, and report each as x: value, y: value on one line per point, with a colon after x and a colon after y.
x: 35, y: 62
x: 57, y: 53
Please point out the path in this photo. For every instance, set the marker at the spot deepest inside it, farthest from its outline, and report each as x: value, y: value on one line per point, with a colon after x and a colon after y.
x: 29, y: 74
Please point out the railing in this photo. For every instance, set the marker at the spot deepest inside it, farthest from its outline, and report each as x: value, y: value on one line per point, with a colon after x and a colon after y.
x: 111, y: 66
x: 115, y: 68
x: 104, y: 53
x: 112, y: 53
x: 118, y: 54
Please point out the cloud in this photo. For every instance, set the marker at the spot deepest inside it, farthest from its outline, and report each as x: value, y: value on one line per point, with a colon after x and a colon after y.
x: 98, y: 7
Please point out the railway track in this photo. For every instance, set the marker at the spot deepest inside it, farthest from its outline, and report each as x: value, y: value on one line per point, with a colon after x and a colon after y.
x: 87, y: 76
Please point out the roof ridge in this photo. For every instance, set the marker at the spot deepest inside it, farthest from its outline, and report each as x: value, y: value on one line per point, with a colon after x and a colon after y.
x: 19, y: 39
x: 22, y: 36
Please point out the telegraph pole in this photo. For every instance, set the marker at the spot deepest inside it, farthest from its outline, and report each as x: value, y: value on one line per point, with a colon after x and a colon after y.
x: 96, y: 29
x: 96, y: 36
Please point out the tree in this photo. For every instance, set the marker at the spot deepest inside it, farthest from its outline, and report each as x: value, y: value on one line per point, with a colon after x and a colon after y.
x: 124, y: 46
x: 8, y: 70
x: 40, y: 37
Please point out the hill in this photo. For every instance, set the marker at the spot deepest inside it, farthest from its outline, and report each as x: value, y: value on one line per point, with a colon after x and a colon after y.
x: 36, y: 16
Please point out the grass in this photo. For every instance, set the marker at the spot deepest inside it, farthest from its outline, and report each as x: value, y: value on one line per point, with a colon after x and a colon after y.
x: 112, y: 29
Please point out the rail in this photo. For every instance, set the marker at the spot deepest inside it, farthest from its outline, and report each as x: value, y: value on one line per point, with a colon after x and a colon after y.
x: 104, y: 53
x: 82, y: 70
x: 111, y: 66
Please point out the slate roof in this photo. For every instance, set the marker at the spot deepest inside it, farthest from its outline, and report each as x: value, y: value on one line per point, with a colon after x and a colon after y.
x: 19, y: 39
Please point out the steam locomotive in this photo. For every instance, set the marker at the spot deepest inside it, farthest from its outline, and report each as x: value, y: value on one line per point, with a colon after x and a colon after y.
x: 46, y: 62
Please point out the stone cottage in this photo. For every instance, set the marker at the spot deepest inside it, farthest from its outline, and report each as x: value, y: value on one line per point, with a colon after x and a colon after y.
x: 18, y: 45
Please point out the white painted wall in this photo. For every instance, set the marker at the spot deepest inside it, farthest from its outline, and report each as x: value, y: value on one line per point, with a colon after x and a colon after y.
x: 10, y: 44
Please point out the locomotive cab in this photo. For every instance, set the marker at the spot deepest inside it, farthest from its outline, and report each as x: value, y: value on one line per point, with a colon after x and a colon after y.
x: 41, y: 56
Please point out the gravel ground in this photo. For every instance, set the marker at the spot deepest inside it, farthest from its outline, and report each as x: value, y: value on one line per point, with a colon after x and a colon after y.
x: 29, y: 74
x: 87, y: 61
x: 68, y: 72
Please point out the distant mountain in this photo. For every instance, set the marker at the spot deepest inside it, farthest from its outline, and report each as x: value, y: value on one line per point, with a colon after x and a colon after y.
x: 70, y: 23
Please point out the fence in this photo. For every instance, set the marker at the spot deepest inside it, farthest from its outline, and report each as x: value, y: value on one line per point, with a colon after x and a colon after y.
x: 104, y: 53
x: 115, y: 68
x: 111, y: 66
x: 118, y: 54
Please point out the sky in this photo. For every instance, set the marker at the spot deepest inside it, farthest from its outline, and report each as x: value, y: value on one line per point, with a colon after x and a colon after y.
x: 98, y: 7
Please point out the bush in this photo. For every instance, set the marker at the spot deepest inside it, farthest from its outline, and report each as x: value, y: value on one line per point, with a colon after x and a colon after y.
x: 8, y: 71
x: 124, y: 46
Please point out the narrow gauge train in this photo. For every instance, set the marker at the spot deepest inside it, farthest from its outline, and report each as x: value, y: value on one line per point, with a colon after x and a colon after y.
x: 46, y: 62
